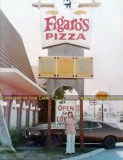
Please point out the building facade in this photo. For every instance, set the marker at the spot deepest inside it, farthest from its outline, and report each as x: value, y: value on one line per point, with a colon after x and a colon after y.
x: 16, y: 79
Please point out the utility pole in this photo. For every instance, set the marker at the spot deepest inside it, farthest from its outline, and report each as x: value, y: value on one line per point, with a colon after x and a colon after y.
x: 102, y: 112
x: 49, y: 123
x: 109, y: 105
x: 81, y: 125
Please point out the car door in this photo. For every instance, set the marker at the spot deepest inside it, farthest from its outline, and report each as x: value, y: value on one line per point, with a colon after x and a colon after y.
x: 92, y: 131
x: 88, y: 132
x: 99, y: 132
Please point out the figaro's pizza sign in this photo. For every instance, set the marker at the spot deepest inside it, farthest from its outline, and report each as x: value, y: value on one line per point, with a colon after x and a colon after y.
x: 66, y: 23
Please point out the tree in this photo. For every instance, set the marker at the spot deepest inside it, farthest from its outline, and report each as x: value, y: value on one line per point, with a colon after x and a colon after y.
x: 59, y: 94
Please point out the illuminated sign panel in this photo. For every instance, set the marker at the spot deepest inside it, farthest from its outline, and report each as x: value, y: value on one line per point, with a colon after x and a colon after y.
x: 66, y: 23
x: 84, y: 67
x: 47, y: 66
x: 65, y: 67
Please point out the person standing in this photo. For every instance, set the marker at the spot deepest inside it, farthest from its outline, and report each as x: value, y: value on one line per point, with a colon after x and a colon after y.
x: 70, y: 126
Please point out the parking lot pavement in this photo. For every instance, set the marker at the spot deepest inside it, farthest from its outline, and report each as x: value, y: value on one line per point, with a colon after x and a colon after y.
x: 112, y: 154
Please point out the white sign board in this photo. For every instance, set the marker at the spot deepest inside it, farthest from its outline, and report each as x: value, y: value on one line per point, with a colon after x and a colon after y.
x: 66, y: 23
x: 62, y: 109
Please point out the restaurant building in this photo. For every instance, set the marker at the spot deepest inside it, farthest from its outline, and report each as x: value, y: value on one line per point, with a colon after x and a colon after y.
x: 16, y: 79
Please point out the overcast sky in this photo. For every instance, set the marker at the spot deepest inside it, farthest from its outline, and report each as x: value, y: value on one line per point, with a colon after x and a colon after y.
x: 106, y: 41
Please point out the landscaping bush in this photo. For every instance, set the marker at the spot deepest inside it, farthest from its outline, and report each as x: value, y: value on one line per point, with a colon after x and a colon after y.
x: 16, y: 136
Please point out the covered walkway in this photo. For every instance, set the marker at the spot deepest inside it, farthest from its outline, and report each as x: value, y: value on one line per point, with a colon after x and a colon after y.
x: 21, y: 95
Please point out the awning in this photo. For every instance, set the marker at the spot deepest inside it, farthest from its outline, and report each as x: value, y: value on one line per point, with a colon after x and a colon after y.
x: 14, y: 82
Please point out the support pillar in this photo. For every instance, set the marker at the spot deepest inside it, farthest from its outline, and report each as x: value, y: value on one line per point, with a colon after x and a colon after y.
x: 81, y: 125
x: 49, y: 123
x: 34, y: 111
x: 7, y: 110
x: 28, y: 113
x: 38, y: 111
x: 19, y: 114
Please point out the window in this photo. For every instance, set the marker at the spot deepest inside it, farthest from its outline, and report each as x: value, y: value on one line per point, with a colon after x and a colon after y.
x: 87, y: 124
x: 95, y: 125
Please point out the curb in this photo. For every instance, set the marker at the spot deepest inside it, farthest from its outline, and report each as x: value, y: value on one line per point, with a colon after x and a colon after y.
x: 7, y: 149
x: 86, y: 155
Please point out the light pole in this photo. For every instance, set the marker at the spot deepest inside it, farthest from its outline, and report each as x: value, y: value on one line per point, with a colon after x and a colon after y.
x: 93, y: 103
x: 109, y: 105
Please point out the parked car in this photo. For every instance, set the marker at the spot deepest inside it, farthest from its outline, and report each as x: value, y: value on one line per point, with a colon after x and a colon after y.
x: 94, y: 132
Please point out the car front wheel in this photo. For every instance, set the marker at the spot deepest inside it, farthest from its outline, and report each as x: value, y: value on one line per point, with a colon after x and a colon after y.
x: 109, y: 142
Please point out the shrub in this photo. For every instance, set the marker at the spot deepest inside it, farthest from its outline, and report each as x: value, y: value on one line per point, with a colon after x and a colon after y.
x: 16, y: 136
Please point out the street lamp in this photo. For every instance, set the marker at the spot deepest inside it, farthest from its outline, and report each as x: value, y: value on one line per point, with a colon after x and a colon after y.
x: 32, y: 108
x: 26, y: 107
x: 17, y: 105
x: 4, y: 104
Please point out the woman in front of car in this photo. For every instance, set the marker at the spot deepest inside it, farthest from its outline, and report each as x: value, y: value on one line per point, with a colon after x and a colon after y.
x: 70, y: 126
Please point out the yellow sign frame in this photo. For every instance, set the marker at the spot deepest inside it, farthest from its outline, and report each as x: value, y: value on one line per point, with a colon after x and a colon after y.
x: 65, y: 67
x: 47, y: 66
x: 83, y: 67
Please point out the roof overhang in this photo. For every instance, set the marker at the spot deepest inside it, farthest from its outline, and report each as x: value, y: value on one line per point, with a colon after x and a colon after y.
x: 14, y: 82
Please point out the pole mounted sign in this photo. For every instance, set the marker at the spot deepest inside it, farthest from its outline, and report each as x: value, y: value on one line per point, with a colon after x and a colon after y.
x: 65, y: 67
x: 66, y: 23
x: 63, y: 22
